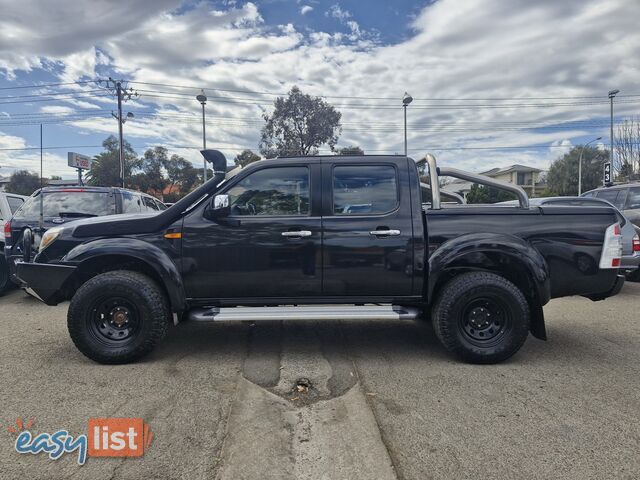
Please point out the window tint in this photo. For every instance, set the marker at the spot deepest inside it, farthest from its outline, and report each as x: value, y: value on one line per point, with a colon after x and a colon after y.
x: 364, y: 189
x: 131, y: 203
x: 150, y: 204
x: 272, y: 191
x: 72, y: 203
x: 14, y: 203
x: 633, y: 201
x: 616, y: 197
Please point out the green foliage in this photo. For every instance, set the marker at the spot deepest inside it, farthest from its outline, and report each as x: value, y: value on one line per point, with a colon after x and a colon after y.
x: 351, y: 150
x: 23, y: 182
x: 486, y: 194
x: 105, y: 169
x: 151, y: 177
x: 181, y: 175
x: 562, y: 178
x: 298, y: 125
x: 245, y: 158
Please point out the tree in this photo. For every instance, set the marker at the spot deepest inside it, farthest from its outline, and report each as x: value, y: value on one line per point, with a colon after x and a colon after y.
x: 181, y: 175
x: 350, y: 150
x: 562, y: 178
x: 486, y: 194
x: 627, y: 148
x: 298, y: 125
x: 245, y: 158
x: 23, y: 182
x: 56, y: 177
x: 151, y: 178
x: 105, y: 169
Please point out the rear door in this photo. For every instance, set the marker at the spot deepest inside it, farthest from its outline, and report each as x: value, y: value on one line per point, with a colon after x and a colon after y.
x: 632, y: 208
x: 367, y: 236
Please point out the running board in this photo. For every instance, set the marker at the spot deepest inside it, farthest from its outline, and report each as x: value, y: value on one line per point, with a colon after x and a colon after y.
x: 307, y: 312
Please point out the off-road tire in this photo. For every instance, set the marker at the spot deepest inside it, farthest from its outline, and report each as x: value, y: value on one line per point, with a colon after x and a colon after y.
x: 468, y: 297
x: 141, y: 293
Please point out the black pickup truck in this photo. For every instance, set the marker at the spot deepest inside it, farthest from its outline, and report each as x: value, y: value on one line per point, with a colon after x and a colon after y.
x: 313, y: 238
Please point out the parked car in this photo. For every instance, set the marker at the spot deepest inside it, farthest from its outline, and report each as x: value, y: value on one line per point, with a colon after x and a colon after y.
x: 625, y: 197
x: 269, y: 239
x: 9, y: 203
x: 65, y: 204
x: 630, y: 262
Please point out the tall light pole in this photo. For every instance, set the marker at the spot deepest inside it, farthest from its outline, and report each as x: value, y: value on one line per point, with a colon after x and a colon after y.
x: 612, y: 94
x: 406, y: 100
x: 202, y: 98
x: 580, y: 164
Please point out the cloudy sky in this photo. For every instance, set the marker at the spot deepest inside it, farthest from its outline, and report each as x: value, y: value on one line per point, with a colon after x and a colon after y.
x: 487, y: 75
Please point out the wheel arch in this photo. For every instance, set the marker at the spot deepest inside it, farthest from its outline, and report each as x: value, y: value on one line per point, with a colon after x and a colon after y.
x: 104, y: 255
x: 505, y: 255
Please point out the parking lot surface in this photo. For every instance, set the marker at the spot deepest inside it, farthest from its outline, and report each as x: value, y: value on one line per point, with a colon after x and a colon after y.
x: 336, y: 400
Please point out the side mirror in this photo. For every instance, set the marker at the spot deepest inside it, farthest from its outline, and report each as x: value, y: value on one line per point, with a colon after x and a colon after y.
x: 218, y: 207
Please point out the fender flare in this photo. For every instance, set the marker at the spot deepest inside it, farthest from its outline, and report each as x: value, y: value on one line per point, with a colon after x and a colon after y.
x: 156, y: 259
x: 500, y: 253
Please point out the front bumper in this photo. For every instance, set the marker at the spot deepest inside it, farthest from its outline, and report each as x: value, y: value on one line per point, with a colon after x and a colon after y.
x: 44, y: 280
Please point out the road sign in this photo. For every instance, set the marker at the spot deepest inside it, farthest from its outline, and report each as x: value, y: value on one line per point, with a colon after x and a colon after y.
x: 607, y: 173
x: 77, y: 160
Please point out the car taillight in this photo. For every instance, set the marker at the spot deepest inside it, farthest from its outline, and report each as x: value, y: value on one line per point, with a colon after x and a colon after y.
x: 7, y: 230
x: 636, y: 243
x: 611, y: 248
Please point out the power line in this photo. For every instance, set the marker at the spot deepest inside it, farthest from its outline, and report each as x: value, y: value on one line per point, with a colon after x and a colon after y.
x: 45, y: 85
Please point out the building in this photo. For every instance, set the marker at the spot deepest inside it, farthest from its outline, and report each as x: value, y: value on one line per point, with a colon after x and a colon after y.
x: 532, y: 180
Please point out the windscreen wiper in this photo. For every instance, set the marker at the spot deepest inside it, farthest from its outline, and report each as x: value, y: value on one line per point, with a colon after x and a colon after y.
x: 76, y: 214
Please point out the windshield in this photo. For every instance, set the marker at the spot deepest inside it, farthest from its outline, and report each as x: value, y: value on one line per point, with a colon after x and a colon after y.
x: 68, y: 204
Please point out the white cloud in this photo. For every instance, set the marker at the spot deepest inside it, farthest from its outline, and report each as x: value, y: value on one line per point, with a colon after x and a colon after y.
x: 477, y: 49
x: 305, y: 9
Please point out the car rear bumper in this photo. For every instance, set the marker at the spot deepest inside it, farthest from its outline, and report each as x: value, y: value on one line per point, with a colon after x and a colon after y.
x: 630, y: 262
x: 44, y: 280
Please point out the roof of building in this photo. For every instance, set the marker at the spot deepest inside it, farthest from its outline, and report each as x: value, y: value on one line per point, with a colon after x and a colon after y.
x: 512, y: 168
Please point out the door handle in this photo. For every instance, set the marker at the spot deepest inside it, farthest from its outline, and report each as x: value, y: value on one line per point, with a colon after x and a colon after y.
x: 385, y: 233
x: 297, y: 234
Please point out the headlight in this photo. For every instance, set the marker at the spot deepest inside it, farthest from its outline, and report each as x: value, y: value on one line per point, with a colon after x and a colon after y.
x: 49, y: 237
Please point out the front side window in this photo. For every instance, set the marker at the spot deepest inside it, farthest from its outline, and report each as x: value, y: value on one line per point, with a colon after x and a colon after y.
x: 633, y: 202
x: 364, y: 189
x: 149, y: 203
x: 271, y: 191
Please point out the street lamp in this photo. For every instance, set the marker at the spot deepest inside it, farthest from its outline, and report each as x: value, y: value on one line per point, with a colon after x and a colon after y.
x: 202, y: 98
x: 612, y: 94
x: 406, y: 100
x: 580, y: 164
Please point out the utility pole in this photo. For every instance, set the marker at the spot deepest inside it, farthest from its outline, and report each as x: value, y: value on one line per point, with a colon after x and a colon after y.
x: 119, y: 93
x: 202, y: 98
x: 612, y: 94
x: 122, y: 94
x: 580, y: 164
x: 406, y: 100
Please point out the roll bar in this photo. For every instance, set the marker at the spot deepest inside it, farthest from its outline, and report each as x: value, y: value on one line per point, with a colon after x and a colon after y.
x: 435, y: 172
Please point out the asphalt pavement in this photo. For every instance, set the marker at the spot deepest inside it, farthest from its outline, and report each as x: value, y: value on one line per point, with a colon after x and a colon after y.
x: 335, y: 400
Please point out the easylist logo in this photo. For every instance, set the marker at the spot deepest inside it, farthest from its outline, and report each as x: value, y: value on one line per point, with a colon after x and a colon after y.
x: 106, y: 437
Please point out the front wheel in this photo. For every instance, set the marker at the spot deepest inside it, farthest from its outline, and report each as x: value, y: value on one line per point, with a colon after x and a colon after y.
x: 118, y: 317
x: 481, y: 317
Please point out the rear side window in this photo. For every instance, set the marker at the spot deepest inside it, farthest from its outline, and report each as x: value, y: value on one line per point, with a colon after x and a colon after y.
x: 71, y: 203
x: 633, y: 200
x: 14, y: 203
x: 616, y: 197
x: 364, y: 189
x: 131, y: 203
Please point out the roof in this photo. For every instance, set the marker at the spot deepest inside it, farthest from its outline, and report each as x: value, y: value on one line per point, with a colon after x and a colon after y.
x: 512, y: 168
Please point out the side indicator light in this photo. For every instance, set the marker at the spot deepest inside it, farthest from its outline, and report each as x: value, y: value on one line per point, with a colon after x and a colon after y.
x: 173, y: 235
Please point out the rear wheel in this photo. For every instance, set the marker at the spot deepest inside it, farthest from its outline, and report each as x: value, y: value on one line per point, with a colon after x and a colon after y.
x: 118, y: 317
x: 5, y: 282
x: 481, y: 317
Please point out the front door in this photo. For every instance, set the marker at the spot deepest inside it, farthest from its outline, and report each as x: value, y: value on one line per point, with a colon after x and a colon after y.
x: 268, y: 247
x: 367, y: 243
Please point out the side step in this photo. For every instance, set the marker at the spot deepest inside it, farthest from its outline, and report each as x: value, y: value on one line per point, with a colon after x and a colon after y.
x: 306, y: 312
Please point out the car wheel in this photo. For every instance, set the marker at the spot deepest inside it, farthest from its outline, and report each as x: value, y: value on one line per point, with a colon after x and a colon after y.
x: 5, y: 282
x: 118, y: 317
x: 634, y: 276
x: 481, y: 317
